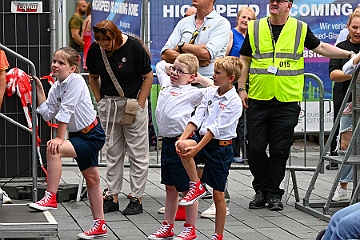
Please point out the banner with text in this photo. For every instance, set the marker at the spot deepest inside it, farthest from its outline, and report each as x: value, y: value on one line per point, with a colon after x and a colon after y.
x: 126, y: 14
x: 325, y: 18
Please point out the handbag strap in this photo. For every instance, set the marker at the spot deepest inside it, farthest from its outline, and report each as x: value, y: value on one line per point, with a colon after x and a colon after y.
x: 111, y: 73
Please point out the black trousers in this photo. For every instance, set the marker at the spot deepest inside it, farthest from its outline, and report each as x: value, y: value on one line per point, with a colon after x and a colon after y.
x: 270, y: 125
x: 238, y: 142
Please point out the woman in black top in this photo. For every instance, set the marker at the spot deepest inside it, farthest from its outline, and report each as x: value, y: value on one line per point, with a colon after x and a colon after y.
x: 130, y: 63
x: 342, y: 82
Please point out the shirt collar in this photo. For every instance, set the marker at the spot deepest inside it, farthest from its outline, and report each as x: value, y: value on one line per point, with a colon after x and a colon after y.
x: 228, y: 94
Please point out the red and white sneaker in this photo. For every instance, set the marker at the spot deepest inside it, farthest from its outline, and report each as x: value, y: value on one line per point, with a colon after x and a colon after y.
x: 188, y: 233
x: 217, y: 236
x: 166, y: 231
x: 48, y: 202
x: 98, y: 229
x: 195, y: 192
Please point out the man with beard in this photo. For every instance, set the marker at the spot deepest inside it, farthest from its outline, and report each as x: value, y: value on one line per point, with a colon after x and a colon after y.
x: 75, y: 27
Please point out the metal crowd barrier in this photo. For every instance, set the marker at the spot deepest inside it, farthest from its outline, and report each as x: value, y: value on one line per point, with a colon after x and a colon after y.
x: 33, y: 115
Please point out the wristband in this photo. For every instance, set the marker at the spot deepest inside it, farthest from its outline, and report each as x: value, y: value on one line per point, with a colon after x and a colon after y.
x: 241, y: 89
x: 350, y: 54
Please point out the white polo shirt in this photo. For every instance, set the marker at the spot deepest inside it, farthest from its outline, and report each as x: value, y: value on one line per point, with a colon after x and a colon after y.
x: 69, y: 102
x: 218, y: 114
x: 214, y: 32
x: 175, y: 104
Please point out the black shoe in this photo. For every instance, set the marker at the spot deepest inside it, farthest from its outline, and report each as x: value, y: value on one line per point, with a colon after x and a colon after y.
x: 208, y: 194
x: 258, y: 201
x: 133, y: 208
x: 332, y: 166
x: 275, y: 204
x: 109, y: 205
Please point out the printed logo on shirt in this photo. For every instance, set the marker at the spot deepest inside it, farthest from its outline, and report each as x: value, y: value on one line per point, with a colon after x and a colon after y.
x: 175, y: 94
x: 222, y: 106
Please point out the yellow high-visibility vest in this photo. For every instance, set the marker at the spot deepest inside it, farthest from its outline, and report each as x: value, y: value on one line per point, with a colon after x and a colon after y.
x: 284, y: 58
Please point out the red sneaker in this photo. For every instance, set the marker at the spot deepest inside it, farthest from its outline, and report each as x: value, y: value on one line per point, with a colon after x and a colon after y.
x: 188, y: 233
x: 166, y: 231
x: 98, y: 229
x: 195, y: 192
x: 217, y: 236
x: 180, y: 214
x: 48, y: 202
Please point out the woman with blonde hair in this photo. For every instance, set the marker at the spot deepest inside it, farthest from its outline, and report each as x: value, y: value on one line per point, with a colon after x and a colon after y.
x: 237, y: 34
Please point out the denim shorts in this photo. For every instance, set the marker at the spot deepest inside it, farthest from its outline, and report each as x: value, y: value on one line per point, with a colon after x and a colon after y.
x: 346, y: 122
x: 87, y: 146
x: 217, y: 161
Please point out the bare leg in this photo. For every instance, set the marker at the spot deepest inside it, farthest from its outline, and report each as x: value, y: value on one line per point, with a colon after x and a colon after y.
x: 189, y: 164
x: 220, y: 218
x: 191, y: 212
x: 171, y: 203
x: 92, y: 177
x: 54, y: 165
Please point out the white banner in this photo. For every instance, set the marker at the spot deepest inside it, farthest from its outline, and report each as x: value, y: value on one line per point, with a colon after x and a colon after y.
x: 26, y: 7
x: 310, y: 118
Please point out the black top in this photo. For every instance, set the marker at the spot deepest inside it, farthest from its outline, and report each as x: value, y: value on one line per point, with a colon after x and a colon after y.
x: 128, y: 63
x: 340, y: 88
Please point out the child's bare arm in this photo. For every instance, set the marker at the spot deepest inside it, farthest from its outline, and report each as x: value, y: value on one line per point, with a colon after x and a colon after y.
x: 41, y: 97
x: 206, y: 82
x: 190, y: 128
x: 192, y: 150
x: 53, y: 145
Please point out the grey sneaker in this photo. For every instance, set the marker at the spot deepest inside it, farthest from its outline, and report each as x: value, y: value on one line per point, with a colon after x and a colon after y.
x: 275, y: 204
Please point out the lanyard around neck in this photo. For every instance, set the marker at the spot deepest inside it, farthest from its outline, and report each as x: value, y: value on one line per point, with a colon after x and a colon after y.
x: 272, y: 38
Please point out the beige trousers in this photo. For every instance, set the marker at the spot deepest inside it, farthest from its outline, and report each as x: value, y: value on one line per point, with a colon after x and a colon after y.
x: 132, y: 139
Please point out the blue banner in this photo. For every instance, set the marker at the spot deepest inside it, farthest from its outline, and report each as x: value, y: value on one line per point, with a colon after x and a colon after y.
x: 325, y: 18
x: 126, y: 14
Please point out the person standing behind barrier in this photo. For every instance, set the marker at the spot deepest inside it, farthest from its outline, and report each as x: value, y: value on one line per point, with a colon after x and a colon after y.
x: 130, y: 63
x: 343, y: 80
x: 75, y: 27
x: 237, y: 36
x: 70, y: 104
x: 4, y: 65
x: 345, y: 223
x: 273, y: 56
x: 204, y: 34
x: 338, y: 93
x: 86, y: 33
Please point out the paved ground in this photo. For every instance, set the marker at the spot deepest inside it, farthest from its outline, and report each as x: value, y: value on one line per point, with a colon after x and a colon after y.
x: 243, y: 223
